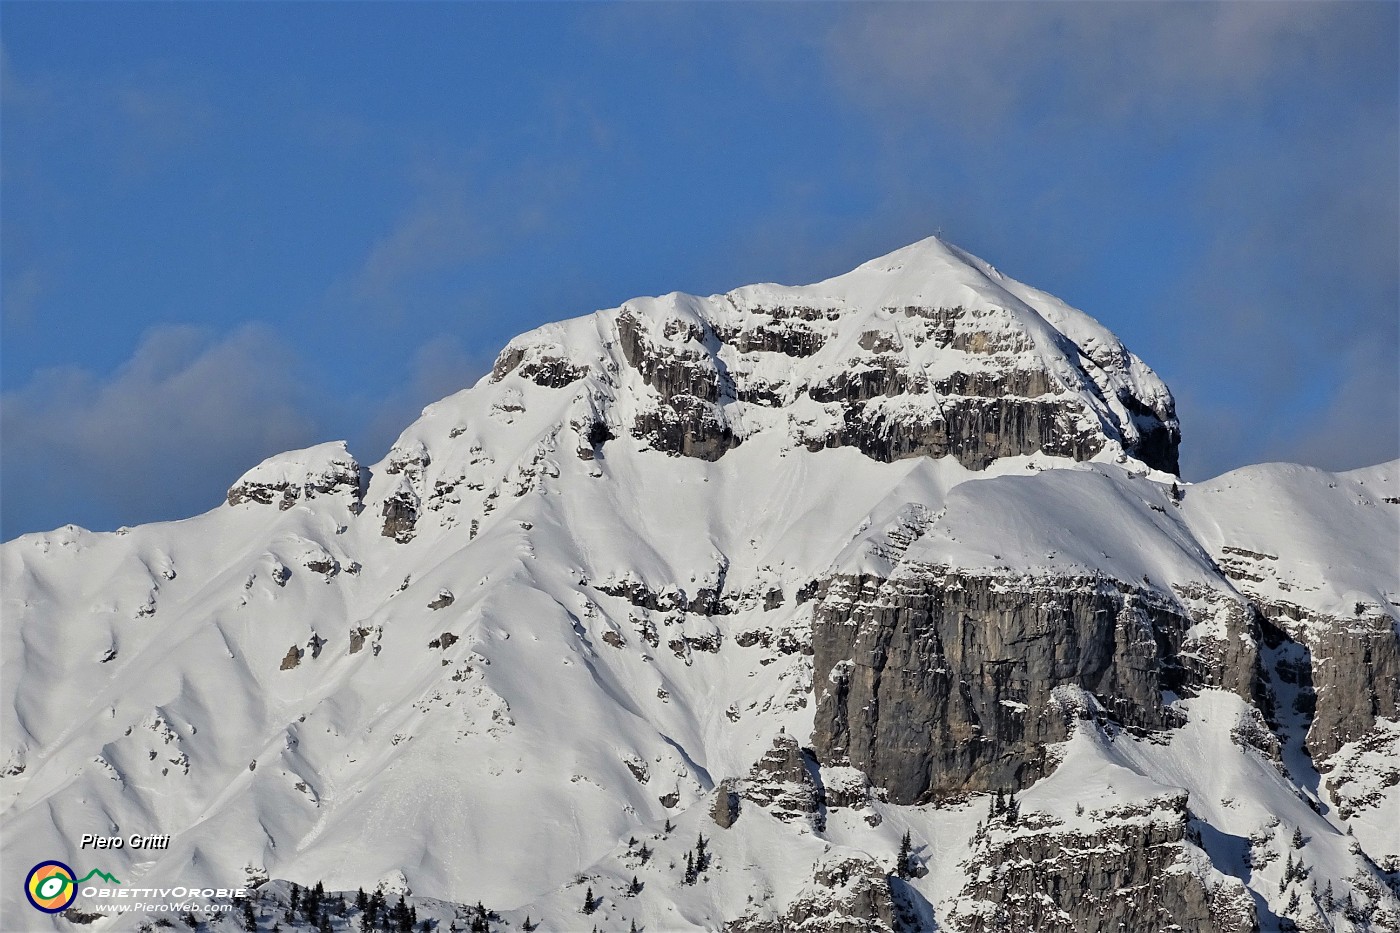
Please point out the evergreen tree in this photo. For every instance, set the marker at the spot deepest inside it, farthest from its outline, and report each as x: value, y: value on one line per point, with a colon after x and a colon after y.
x: 635, y: 887
x: 645, y: 853
x: 361, y: 899
x: 250, y: 921
x: 1328, y: 901
x: 669, y: 827
x: 633, y: 928
x: 1297, y: 838
x: 296, y: 895
x: 325, y: 925
x: 906, y: 850
x: 1001, y: 803
x: 589, y: 904
x: 689, y: 877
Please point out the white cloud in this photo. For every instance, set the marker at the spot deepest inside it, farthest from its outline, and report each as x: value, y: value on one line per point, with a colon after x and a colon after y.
x: 1075, y: 61
x: 161, y: 437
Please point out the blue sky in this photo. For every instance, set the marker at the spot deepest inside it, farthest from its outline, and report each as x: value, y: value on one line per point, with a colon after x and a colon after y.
x: 230, y: 229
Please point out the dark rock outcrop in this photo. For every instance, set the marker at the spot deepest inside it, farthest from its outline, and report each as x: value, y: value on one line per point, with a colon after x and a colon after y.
x: 849, y: 893
x: 1133, y: 871
x: 691, y: 382
x: 549, y: 370
x: 889, y: 407
x: 401, y: 514
x: 786, y: 782
x: 941, y: 683
x: 725, y: 810
x: 329, y: 473
x: 977, y: 431
x: 1355, y: 678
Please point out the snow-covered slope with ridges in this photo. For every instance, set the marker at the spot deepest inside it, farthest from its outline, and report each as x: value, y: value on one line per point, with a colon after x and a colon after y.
x: 576, y: 598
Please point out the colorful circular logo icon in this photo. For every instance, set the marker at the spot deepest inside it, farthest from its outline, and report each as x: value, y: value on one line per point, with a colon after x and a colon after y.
x: 51, y: 887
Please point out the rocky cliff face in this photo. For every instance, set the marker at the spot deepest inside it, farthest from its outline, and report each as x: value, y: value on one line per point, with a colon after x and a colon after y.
x: 1136, y: 871
x: 1351, y: 672
x: 941, y: 683
x: 871, y: 361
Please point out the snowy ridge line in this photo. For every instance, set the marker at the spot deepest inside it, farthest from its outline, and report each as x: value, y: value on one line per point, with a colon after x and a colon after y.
x: 802, y: 571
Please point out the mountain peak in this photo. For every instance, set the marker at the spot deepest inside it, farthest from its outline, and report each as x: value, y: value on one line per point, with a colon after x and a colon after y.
x: 925, y: 351
x: 798, y: 570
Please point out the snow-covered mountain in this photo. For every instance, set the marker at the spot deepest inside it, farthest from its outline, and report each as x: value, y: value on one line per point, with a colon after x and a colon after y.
x: 795, y: 569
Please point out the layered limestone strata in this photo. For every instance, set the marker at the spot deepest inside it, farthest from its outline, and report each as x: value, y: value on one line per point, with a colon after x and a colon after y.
x: 879, y: 400
x: 1135, y: 869
x: 925, y: 352
x: 942, y: 683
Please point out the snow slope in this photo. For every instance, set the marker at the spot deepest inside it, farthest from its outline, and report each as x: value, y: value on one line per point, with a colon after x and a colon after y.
x: 573, y: 599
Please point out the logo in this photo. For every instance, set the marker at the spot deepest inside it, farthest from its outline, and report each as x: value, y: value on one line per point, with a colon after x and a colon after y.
x: 52, y: 886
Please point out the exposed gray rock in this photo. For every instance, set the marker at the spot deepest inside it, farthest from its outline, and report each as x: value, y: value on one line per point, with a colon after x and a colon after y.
x: 357, y: 639
x: 340, y: 475
x: 941, y: 683
x: 411, y: 459
x: 401, y: 515
x: 1136, y: 871
x: 787, y: 782
x: 980, y: 415
x: 725, y: 810
x: 849, y: 893
x: 545, y: 369
x: 977, y: 431
x: 1356, y: 678
x: 850, y: 788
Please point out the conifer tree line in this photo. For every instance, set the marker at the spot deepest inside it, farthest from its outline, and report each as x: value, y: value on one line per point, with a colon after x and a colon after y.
x: 697, y: 861
x: 904, y: 861
x: 1009, y: 809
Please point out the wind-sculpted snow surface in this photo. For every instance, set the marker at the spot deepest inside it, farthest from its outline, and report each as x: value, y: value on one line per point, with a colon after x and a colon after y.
x: 793, y: 570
